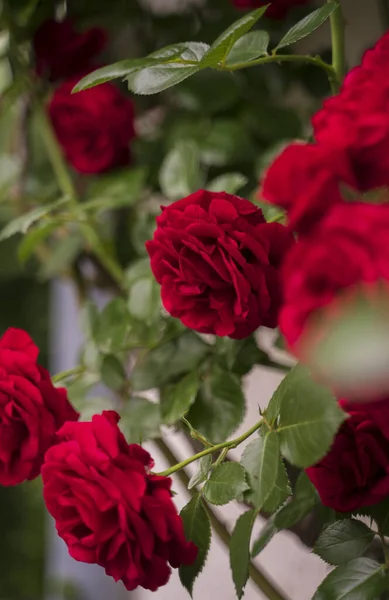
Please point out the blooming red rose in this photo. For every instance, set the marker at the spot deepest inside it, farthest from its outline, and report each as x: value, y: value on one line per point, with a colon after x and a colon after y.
x: 94, y: 127
x: 277, y: 9
x: 217, y: 261
x: 306, y: 180
x: 109, y: 508
x: 348, y: 250
x: 357, y: 121
x: 61, y: 51
x: 355, y: 473
x: 31, y: 409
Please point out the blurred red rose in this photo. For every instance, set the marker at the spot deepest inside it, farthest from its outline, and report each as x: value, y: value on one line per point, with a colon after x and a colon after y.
x: 218, y: 261
x: 306, y: 180
x: 355, y: 473
x: 62, y: 52
x: 94, y: 127
x: 357, y: 120
x: 109, y: 508
x: 277, y: 9
x: 348, y: 250
x: 31, y: 409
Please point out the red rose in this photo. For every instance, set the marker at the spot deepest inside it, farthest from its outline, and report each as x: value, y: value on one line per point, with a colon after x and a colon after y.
x: 305, y: 180
x: 31, y: 409
x: 349, y: 249
x: 357, y: 120
x: 218, y: 262
x: 277, y: 9
x: 61, y: 51
x: 355, y: 473
x: 109, y: 508
x: 94, y: 127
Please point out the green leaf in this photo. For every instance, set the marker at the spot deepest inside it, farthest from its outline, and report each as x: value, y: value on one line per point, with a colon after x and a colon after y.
x: 267, y: 533
x: 219, y: 407
x: 359, y: 579
x: 118, y: 70
x: 307, y: 25
x: 115, y: 190
x: 169, y: 360
x: 159, y: 77
x: 304, y: 499
x: 240, y: 550
x: 112, y: 327
x: 230, y: 183
x: 112, y: 372
x: 227, y: 482
x: 260, y: 458
x: 281, y: 490
x: 144, y: 299
x: 23, y: 223
x: 221, y: 47
x: 140, y: 420
x: 197, y: 529
x: 309, y: 418
x: 249, y: 47
x: 343, y: 541
x: 177, y: 398
x: 64, y: 253
x: 205, y: 464
x: 225, y: 142
x: 208, y: 93
x: 180, y: 173
x: 34, y: 237
x: 240, y: 355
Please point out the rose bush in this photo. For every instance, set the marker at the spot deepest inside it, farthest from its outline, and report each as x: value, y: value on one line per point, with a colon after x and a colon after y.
x: 217, y: 262
x: 31, y: 409
x: 109, y: 508
x: 94, y: 128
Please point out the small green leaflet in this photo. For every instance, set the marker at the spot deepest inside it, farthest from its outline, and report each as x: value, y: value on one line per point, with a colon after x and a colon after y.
x: 261, y: 461
x: 198, y: 530
x: 140, y: 420
x: 222, y: 46
x: 304, y: 499
x: 281, y: 490
x: 112, y: 372
x: 180, y: 172
x: 343, y: 541
x: 307, y: 25
x: 23, y: 223
x: 201, y: 475
x: 227, y: 482
x: 240, y: 550
x: 177, y: 398
x: 230, y: 183
x: 359, y: 579
x: 249, y: 47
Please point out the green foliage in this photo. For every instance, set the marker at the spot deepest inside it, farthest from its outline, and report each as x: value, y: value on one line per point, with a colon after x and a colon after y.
x: 201, y: 475
x: 267, y: 533
x: 304, y: 499
x: 309, y: 418
x: 307, y: 25
x: 226, y: 482
x: 198, y: 530
x: 261, y: 461
x: 359, y: 578
x: 140, y: 420
x: 219, y: 407
x: 240, y: 550
x: 180, y: 173
x: 249, y: 47
x: 221, y: 47
x: 177, y: 398
x: 343, y: 541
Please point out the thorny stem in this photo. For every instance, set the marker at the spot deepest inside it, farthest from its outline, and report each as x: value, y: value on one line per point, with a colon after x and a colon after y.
x: 229, y: 444
x: 259, y: 579
x: 66, y: 374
